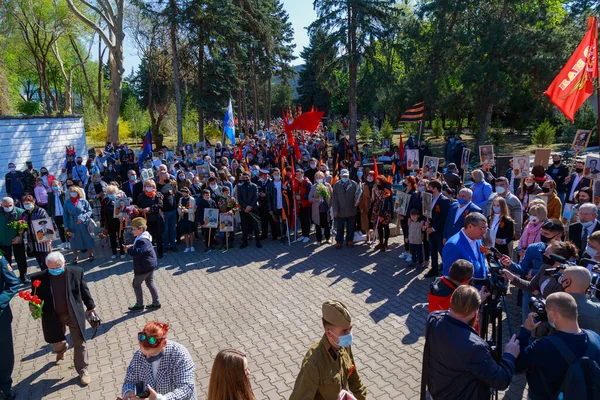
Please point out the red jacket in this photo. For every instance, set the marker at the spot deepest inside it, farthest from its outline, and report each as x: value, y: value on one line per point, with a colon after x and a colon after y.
x: 303, y: 191
x: 439, y: 295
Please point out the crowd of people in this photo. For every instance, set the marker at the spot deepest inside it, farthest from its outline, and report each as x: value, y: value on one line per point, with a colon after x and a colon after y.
x: 289, y: 187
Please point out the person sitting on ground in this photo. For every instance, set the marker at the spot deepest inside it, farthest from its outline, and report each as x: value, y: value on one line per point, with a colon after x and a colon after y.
x: 441, y: 289
x: 165, y: 363
x: 229, y: 378
x: 144, y: 263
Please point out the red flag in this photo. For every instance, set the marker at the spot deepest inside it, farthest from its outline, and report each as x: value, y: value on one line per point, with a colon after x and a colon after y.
x: 306, y: 122
x: 375, y: 168
x: 573, y: 85
x: 401, y: 155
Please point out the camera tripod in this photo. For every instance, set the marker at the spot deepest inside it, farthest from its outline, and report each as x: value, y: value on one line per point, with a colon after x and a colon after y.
x: 492, y: 315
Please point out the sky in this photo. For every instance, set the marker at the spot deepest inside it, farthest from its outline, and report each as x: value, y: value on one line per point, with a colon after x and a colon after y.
x: 301, y: 14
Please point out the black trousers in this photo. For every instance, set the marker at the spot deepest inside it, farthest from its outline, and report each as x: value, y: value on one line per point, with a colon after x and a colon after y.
x: 115, y: 238
x: 155, y: 229
x: 383, y: 230
x: 305, y: 216
x: 208, y: 233
x: 19, y: 252
x: 265, y: 220
x: 248, y: 225
x: 58, y: 220
x: 404, y: 226
x: 323, y: 223
x: 435, y: 247
x: 7, y: 361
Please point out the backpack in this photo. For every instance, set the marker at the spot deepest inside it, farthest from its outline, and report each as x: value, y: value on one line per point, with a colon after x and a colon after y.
x: 582, y: 379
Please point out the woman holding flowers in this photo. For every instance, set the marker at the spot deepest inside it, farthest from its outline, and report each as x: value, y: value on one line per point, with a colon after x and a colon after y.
x: 77, y: 215
x: 34, y: 213
x: 12, y: 226
x: 320, y: 197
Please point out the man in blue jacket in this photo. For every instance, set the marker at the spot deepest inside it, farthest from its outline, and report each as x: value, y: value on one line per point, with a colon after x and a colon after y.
x: 466, y: 245
x: 457, y: 362
x: 458, y: 211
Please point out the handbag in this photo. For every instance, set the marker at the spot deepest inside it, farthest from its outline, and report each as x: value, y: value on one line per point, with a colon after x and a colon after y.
x: 91, y: 226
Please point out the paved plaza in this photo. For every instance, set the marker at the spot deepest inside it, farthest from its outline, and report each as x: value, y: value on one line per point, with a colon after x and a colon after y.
x: 265, y: 302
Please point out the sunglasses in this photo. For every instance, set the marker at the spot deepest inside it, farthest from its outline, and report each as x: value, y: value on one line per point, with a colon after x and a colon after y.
x: 151, y: 340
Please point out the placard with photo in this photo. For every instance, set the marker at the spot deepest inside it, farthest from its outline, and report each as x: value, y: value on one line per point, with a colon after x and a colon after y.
x: 486, y: 154
x: 402, y: 201
x: 120, y: 206
x: 427, y: 204
x: 567, y: 213
x: 596, y: 193
x: 226, y: 222
x: 189, y: 150
x: 592, y: 167
x: 44, y: 230
x: 542, y: 157
x: 502, y: 165
x: 211, y: 218
x: 200, y: 147
x: 203, y: 172
x: 521, y: 167
x: 581, y: 139
x: 464, y: 160
x: 412, y: 159
x: 385, y: 144
x: 432, y: 165
x: 147, y: 173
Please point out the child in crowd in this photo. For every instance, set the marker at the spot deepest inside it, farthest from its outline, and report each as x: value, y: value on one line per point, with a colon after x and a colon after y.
x: 415, y: 236
x: 187, y: 214
x: 204, y: 203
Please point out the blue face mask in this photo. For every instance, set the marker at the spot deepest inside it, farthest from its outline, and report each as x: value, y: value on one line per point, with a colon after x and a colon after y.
x: 345, y: 179
x: 461, y: 201
x: 255, y: 172
x: 587, y: 224
x: 182, y: 178
x: 345, y: 340
x: 359, y: 174
x: 421, y: 189
x: 112, y: 196
x: 56, y: 271
x: 451, y: 140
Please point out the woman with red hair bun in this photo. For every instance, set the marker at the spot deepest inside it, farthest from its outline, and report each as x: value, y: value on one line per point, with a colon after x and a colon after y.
x: 161, y: 368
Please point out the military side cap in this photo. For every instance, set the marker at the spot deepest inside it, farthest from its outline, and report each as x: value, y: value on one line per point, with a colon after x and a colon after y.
x: 336, y: 313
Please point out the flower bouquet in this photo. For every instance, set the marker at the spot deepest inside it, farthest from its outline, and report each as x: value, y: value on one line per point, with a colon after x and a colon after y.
x: 322, y: 191
x: 19, y: 225
x: 103, y: 236
x: 34, y: 300
x: 133, y: 211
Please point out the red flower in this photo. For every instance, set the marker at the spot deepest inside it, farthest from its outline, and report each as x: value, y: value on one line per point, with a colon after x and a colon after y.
x: 34, y: 297
x: 501, y: 224
x: 27, y: 296
x: 36, y: 283
x: 38, y: 301
x: 466, y: 213
x: 22, y: 295
x: 437, y: 208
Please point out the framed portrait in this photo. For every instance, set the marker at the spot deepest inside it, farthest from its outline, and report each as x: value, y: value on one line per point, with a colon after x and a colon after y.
x: 581, y: 139
x: 427, y: 204
x: 502, y: 165
x: 200, y: 147
x: 211, y: 154
x: 567, y: 213
x: 226, y: 222
x: 44, y: 230
x: 189, y: 149
x: 203, y: 172
x: 432, y: 165
x: 542, y: 157
x: 170, y: 156
x: 592, y: 167
x: 597, y: 193
x: 120, y: 206
x: 464, y: 159
x: 412, y: 159
x: 402, y: 200
x: 147, y: 173
x: 486, y: 154
x: 386, y: 144
x: 521, y: 166
x: 211, y: 218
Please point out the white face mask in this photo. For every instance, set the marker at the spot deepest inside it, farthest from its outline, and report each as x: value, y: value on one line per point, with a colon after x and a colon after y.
x: 277, y: 177
x: 319, y: 180
x: 213, y: 187
x: 149, y: 188
x: 533, y: 220
x: 500, y: 190
x: 592, y: 252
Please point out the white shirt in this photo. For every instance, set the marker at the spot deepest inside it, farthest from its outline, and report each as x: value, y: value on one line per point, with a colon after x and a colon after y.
x: 574, y: 187
x: 58, y: 207
x: 460, y: 211
x: 494, y: 228
x: 277, y: 185
x: 472, y: 243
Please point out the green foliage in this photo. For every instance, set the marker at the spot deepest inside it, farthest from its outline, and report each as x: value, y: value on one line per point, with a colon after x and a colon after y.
x: 96, y: 134
x: 411, y: 128
x: 497, y: 137
x: 437, y: 128
x: 365, y: 131
x: 30, y: 108
x: 138, y: 119
x: 283, y: 96
x: 335, y: 126
x: 386, y: 129
x: 544, y: 135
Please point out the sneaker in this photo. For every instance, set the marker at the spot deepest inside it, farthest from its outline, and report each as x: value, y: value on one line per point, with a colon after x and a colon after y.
x: 300, y: 239
x: 192, y: 249
x: 113, y: 256
x: 408, y: 259
x: 404, y: 255
x: 85, y: 378
x: 136, y: 307
x: 68, y: 247
x: 338, y: 246
x: 122, y: 256
x: 328, y: 241
x: 305, y: 240
x: 432, y: 274
x: 63, y: 246
x: 350, y: 244
x: 153, y: 306
x: 187, y: 250
x: 319, y: 242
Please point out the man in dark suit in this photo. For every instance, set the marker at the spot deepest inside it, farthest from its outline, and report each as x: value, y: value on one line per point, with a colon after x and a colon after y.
x: 575, y: 182
x: 579, y: 232
x: 451, y: 177
x: 64, y: 292
x: 247, y: 197
x: 435, y: 227
x: 457, y: 213
x: 132, y: 187
x: 9, y: 286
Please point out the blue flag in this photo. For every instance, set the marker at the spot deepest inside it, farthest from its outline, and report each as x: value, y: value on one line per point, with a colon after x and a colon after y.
x: 228, y: 124
x: 146, y: 148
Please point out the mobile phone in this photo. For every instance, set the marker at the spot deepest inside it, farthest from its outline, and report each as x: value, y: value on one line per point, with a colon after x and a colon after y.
x: 141, y: 390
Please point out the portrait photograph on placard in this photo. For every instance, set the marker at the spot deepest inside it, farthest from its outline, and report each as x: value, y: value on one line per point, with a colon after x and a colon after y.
x: 596, y: 193
x: 44, y: 230
x: 226, y: 222
x: 542, y: 157
x: 402, y: 200
x: 412, y: 159
x: 147, y: 173
x: 189, y: 149
x: 486, y: 154
x: 464, y: 160
x: 200, y: 147
x: 385, y: 143
x: 203, y: 172
x: 581, y: 140
x: 211, y: 218
x: 521, y: 166
x: 567, y: 212
x: 592, y: 168
x: 502, y: 164
x: 120, y: 206
x: 432, y: 165
x: 427, y: 204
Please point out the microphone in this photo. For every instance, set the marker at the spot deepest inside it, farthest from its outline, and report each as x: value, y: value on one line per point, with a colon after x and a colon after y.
x: 496, y: 252
x: 586, y: 261
x: 557, y: 258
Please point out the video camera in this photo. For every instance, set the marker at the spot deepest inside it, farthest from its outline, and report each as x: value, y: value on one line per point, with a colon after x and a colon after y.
x: 538, y: 306
x: 495, y: 280
x: 557, y: 271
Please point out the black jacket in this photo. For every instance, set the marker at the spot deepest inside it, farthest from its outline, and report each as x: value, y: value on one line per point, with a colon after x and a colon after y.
x: 78, y: 294
x: 52, y: 203
x: 247, y: 195
x: 459, y: 362
x: 137, y: 190
x: 575, y: 233
x: 453, y: 180
x: 558, y: 175
x: 584, y: 182
x: 144, y: 257
x: 439, y: 214
x: 155, y: 204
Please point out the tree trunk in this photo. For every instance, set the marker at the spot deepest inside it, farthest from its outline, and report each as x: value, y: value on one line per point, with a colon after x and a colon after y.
x: 115, y: 96
x: 176, y: 84
x: 254, y: 96
x: 485, y: 118
x: 269, y: 102
x: 353, y: 70
x: 201, y: 124
x: 265, y: 104
x: 100, y: 102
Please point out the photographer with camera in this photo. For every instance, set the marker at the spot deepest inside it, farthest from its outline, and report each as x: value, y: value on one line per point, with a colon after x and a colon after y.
x: 441, y: 289
x: 576, y: 281
x: 457, y: 363
x: 556, y: 365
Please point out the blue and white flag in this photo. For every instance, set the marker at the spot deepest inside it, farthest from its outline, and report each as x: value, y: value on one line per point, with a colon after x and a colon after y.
x: 146, y: 148
x: 229, y: 124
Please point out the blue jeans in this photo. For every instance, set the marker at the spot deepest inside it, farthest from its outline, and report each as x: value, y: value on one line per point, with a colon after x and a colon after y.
x: 525, y: 306
x: 170, y: 228
x: 350, y: 225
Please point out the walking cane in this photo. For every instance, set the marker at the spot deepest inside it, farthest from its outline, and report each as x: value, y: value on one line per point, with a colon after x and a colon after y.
x: 287, y: 228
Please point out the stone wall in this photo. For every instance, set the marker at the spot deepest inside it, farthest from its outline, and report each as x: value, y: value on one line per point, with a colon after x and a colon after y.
x: 41, y: 140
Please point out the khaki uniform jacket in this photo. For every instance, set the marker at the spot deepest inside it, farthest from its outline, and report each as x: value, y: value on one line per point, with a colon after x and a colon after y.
x: 322, y: 377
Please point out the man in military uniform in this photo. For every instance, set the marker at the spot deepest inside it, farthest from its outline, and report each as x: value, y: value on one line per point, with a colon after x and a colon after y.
x: 9, y: 284
x: 328, y: 367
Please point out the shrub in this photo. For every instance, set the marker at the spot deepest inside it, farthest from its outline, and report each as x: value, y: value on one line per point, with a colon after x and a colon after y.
x: 30, y: 108
x: 365, y: 131
x: 543, y: 135
x: 437, y: 128
x: 497, y: 137
x: 96, y: 134
x: 386, y: 129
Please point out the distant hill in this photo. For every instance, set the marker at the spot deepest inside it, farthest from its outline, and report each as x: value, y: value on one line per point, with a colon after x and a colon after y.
x: 293, y: 81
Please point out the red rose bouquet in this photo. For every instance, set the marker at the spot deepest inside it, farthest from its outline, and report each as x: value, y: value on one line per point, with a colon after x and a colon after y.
x: 34, y: 301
